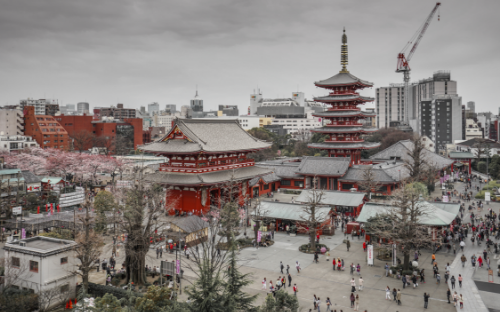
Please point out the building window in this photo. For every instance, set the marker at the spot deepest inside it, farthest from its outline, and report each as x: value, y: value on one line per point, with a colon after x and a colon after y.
x: 266, y: 186
x: 16, y: 262
x: 286, y: 182
x: 34, y: 266
x: 299, y: 183
x: 64, y: 260
x: 64, y: 288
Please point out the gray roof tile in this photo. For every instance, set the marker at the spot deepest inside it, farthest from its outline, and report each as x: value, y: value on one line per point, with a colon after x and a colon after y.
x: 401, y: 149
x: 343, y: 79
x: 344, y: 145
x: 209, y: 136
x: 324, y: 166
x: 29, y: 177
x: 174, y: 178
x: 268, y: 178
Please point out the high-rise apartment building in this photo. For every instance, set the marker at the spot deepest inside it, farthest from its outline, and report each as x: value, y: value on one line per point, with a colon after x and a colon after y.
x: 471, y: 106
x: 118, y: 112
x: 11, y: 122
x: 440, y: 118
x: 153, y: 108
x: 83, y: 108
x: 390, y: 100
x: 42, y: 106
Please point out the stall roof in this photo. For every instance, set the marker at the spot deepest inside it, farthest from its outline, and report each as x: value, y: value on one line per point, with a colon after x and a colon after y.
x: 53, y: 180
x: 288, y: 211
x: 334, y: 198
x: 438, y: 214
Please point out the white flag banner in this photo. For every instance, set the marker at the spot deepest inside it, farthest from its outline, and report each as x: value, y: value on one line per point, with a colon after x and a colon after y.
x: 369, y: 253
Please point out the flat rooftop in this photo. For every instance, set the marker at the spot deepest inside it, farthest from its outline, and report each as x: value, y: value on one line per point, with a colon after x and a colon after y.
x: 39, y: 245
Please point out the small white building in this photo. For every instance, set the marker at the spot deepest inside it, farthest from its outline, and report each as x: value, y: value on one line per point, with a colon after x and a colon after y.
x: 42, y: 263
x: 15, y: 143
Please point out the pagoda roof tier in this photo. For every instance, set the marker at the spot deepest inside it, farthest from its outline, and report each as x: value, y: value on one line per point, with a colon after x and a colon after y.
x: 343, y: 129
x: 343, y: 98
x: 343, y: 79
x: 189, y: 136
x: 344, y: 145
x: 344, y: 113
x: 323, y: 166
x: 209, y: 178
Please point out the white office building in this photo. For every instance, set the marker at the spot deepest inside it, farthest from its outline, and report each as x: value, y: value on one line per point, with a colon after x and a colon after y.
x: 11, y: 122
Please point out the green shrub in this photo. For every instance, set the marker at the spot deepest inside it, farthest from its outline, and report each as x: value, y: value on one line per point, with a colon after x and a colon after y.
x: 97, y: 290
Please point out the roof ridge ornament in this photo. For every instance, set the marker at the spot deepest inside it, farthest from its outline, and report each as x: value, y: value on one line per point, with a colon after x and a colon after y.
x: 344, y: 54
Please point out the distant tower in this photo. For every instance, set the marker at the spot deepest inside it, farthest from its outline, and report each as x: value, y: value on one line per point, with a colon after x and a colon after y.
x: 196, y: 105
x: 82, y: 108
x: 255, y: 102
x: 343, y: 126
x: 471, y: 106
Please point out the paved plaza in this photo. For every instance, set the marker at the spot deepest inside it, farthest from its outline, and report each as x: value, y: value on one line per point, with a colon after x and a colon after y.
x: 320, y: 280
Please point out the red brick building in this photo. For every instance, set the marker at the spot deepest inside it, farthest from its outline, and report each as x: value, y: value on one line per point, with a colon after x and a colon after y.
x: 45, y: 130
x: 130, y: 128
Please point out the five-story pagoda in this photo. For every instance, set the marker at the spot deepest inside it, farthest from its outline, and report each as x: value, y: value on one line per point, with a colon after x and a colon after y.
x: 343, y: 126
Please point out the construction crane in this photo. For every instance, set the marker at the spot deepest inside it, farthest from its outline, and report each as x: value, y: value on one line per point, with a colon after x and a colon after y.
x: 403, y: 62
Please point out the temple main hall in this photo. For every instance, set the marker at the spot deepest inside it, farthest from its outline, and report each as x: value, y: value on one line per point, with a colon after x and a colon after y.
x: 207, y: 164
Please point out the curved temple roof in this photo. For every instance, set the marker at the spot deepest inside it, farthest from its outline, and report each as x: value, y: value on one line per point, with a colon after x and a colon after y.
x: 211, y: 136
x: 344, y: 145
x: 343, y: 98
x: 344, y: 129
x: 343, y: 79
x: 348, y: 113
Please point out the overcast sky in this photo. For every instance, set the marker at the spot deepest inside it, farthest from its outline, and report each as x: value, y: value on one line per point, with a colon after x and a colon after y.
x: 138, y: 52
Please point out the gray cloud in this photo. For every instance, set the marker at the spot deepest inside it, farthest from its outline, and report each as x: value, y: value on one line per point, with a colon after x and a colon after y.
x: 136, y: 52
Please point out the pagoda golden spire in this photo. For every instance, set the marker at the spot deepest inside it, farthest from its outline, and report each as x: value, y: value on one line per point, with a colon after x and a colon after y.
x: 344, y: 54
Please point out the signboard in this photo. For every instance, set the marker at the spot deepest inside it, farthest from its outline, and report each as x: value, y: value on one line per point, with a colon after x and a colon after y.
x: 23, y: 233
x: 370, y: 254
x: 394, y: 259
x: 167, y: 268
x: 17, y: 210
x: 445, y: 199
x: 259, y: 235
x: 487, y: 196
x: 178, y: 266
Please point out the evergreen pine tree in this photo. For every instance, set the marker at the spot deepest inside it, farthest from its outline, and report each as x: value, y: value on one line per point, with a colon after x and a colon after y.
x: 235, y: 299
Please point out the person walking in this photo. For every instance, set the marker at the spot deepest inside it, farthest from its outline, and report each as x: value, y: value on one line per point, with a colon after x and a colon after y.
x: 398, y: 297
x: 281, y: 267
x: 433, y: 258
x: 358, y: 269
x: 351, y: 268
x: 289, y: 280
x: 157, y: 252
x: 464, y: 259
x: 360, y: 283
x: 328, y: 304
x: 426, y: 300
x: 348, y: 244
x: 352, y: 300
x: 327, y: 256
x: 287, y: 269
x: 264, y: 284
x: 414, y: 280
x: 318, y: 303
x: 297, y: 266
x: 460, y: 280
x: 422, y: 276
x: 386, y: 270
x: 333, y: 262
x: 388, y: 293
x: 161, y: 252
x: 455, y: 299
x: 452, y: 280
x: 356, y: 304
x: 461, y: 300
x: 462, y: 245
x: 403, y: 279
x: 448, y: 294
x: 295, y: 289
x: 353, y: 285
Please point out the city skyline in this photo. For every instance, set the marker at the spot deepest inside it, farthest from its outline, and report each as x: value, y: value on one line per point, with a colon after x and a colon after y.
x: 137, y: 53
